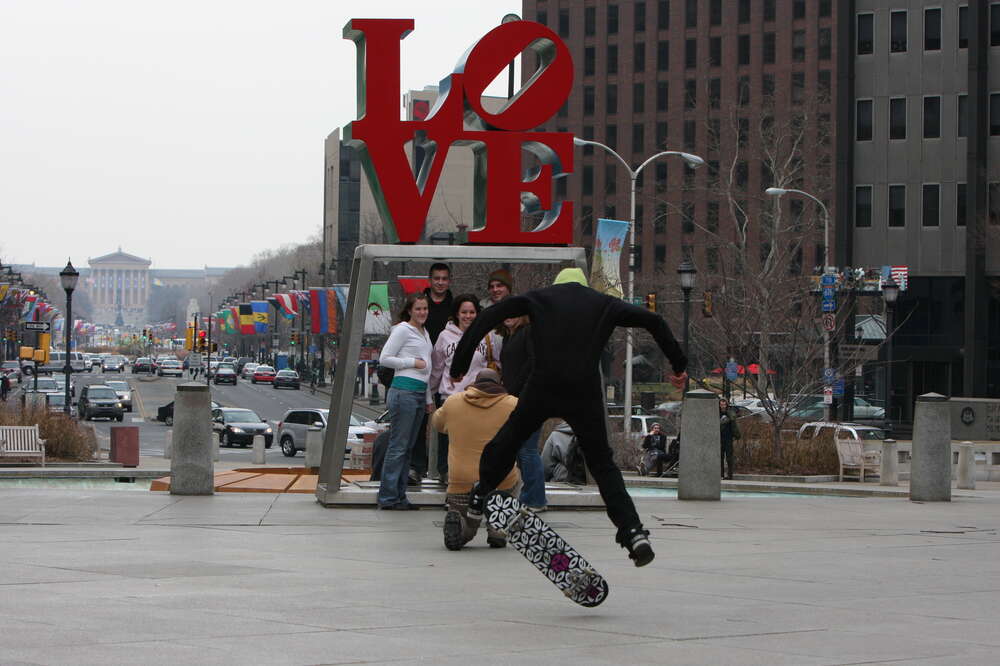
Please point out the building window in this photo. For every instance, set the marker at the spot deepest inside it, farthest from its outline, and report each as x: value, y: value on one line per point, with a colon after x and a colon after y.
x: 897, y: 118
x: 897, y: 32
x: 744, y: 10
x: 715, y: 12
x: 660, y: 255
x: 638, y: 138
x: 798, y: 9
x: 743, y: 90
x: 588, y: 100
x: 589, y: 21
x: 963, y: 27
x: 639, y: 56
x: 742, y: 131
x: 588, y: 61
x: 960, y: 209
x: 612, y: 58
x: 689, y: 135
x: 799, y: 46
x: 897, y: 205
x: 798, y: 87
x: 638, y: 97
x: 767, y: 87
x: 863, y: 120
x: 691, y: 14
x: 639, y: 16
x: 663, y: 56
x: 661, y: 175
x: 741, y: 174
x: 995, y: 114
x: 714, y: 93
x: 663, y: 15
x: 587, y: 221
x: 932, y: 29
x: 588, y: 134
x: 611, y: 101
x: 769, y: 48
x: 564, y: 23
x: 712, y: 216
x: 715, y: 51
x: 743, y: 50
x: 612, y: 19
x: 824, y: 7
x: 866, y: 34
x: 687, y: 217
x: 690, y: 94
x: 825, y: 47
x: 690, y: 53
x: 995, y: 24
x: 931, y: 213
x: 661, y: 134
x: 932, y: 117
x: 712, y: 260
x: 824, y: 85
x: 542, y: 16
x: 611, y: 135
x: 563, y: 110
x: 588, y: 179
x: 714, y: 138
x: 963, y: 115
x: 660, y: 219
x: 662, y: 96
x: 610, y: 182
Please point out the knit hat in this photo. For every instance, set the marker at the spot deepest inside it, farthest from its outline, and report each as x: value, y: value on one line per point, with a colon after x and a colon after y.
x: 488, y: 375
x: 571, y: 275
x: 502, y: 275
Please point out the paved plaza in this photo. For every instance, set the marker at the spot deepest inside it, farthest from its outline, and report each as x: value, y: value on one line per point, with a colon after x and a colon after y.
x: 116, y: 577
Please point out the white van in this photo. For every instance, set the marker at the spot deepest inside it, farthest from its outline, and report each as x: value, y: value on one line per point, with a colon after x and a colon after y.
x: 57, y: 362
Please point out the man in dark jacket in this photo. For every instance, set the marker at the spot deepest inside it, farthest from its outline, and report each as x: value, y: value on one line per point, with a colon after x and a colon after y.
x: 438, y: 300
x: 570, y: 325
x: 728, y: 431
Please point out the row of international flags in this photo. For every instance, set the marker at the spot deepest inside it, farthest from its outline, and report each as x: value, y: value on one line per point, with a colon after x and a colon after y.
x: 29, y: 304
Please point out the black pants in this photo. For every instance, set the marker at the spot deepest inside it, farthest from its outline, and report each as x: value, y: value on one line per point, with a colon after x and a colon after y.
x: 583, y: 409
x: 727, y: 459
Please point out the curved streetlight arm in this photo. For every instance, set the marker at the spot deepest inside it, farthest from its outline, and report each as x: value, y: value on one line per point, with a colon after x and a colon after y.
x: 780, y: 191
x: 586, y: 142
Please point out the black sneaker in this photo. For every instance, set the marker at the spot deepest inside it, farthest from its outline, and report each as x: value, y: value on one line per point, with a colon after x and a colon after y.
x: 454, y: 529
x: 477, y: 502
x: 639, y: 550
x: 496, y: 541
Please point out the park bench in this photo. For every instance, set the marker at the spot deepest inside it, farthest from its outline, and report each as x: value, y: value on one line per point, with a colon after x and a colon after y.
x: 851, y: 455
x: 21, y: 442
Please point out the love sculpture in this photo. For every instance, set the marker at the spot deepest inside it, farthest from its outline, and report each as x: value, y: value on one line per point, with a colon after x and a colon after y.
x: 459, y: 119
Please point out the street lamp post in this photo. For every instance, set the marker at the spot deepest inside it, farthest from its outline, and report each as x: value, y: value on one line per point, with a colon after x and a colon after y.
x: 827, y: 269
x: 687, y: 274
x: 68, y: 278
x: 302, y: 320
x: 890, y: 292
x: 692, y: 161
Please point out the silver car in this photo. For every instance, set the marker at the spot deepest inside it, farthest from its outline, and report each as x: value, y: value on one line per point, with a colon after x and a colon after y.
x: 124, y: 392
x: 296, y: 423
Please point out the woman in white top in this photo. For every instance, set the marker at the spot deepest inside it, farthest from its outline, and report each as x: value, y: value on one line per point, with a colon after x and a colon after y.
x: 408, y: 352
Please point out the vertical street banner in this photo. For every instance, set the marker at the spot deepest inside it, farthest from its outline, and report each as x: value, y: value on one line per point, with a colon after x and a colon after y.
x: 318, y: 307
x: 378, y: 319
x: 288, y: 304
x: 605, y: 274
x: 341, y: 290
x: 4, y: 288
x: 413, y: 283
x: 260, y: 318
x: 234, y: 317
x: 331, y: 310
x: 246, y: 319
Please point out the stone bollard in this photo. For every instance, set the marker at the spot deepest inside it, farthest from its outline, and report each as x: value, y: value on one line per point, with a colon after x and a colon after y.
x: 314, y: 446
x: 966, y: 466
x: 191, y: 467
x: 700, y: 473
x: 889, y: 471
x: 930, y: 470
x: 168, y: 443
x: 259, y: 457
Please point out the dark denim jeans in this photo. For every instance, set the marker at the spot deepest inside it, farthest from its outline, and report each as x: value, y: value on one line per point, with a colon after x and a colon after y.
x: 532, y: 472
x: 406, y: 412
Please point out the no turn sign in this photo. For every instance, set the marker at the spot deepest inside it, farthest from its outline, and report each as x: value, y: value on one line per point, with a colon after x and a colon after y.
x: 829, y: 321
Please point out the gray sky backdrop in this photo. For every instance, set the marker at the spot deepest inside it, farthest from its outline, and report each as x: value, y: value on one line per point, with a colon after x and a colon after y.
x: 188, y: 132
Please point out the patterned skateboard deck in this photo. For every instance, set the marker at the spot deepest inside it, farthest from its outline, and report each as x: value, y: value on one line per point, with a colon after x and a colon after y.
x: 542, y: 546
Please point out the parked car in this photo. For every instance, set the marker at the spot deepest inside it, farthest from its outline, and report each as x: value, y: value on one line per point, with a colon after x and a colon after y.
x: 44, y: 385
x: 262, y: 373
x: 143, y: 364
x: 239, y: 426
x: 296, y: 422
x: 115, y: 364
x: 12, y: 370
x: 57, y: 362
x: 165, y: 414
x: 170, y: 367
x: 248, y: 369
x: 287, y: 379
x: 124, y: 391
x: 61, y: 383
x: 99, y: 400
x: 225, y: 374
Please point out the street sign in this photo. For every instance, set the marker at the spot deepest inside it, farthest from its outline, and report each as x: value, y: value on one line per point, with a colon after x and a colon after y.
x: 36, y: 326
x: 828, y: 279
x: 859, y: 352
x: 838, y: 388
x: 732, y: 371
x: 195, y: 360
x: 829, y: 374
x: 829, y: 306
x: 827, y: 395
x: 829, y: 321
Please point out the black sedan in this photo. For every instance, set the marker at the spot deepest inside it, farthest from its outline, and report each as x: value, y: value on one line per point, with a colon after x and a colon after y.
x: 286, y: 379
x: 224, y: 375
x: 165, y: 414
x: 239, y: 426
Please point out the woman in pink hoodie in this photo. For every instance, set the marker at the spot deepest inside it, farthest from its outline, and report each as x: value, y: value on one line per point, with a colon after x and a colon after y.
x: 465, y: 309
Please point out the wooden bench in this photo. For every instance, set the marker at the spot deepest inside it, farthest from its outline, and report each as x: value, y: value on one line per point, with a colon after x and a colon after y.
x: 21, y: 442
x: 851, y: 455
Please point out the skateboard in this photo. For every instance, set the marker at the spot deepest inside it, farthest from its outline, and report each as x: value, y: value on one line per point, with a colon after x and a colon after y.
x: 543, y: 547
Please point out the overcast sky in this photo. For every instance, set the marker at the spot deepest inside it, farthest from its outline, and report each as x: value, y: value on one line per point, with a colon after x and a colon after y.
x: 188, y: 132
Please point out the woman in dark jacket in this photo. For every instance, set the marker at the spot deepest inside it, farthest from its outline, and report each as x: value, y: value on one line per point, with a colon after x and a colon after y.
x: 516, y: 358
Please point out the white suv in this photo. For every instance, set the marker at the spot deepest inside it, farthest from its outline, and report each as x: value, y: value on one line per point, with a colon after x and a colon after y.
x: 295, y: 424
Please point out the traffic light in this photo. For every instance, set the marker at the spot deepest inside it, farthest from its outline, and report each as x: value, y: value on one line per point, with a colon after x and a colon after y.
x: 706, y: 304
x: 189, y: 338
x: 44, y: 342
x: 215, y: 347
x: 202, y: 341
x: 293, y: 338
x: 651, y: 301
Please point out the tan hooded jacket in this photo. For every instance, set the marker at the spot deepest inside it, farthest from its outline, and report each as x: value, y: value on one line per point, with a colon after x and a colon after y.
x: 471, y: 418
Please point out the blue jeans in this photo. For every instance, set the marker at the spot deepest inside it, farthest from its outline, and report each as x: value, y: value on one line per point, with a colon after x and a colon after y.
x: 532, y: 472
x: 406, y: 413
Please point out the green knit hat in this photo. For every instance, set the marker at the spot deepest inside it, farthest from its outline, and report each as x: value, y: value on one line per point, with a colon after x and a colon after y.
x: 567, y: 275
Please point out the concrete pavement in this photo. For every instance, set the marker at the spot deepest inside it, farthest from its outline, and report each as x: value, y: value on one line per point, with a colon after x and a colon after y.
x: 110, y: 577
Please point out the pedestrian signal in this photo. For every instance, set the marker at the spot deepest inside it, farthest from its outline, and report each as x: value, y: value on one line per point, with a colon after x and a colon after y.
x: 651, y: 301
x: 706, y: 305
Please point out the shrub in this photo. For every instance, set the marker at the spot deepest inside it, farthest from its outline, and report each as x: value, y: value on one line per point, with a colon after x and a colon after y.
x: 65, y: 438
x: 755, y: 453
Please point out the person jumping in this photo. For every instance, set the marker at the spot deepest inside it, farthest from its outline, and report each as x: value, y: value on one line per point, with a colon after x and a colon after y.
x: 570, y: 326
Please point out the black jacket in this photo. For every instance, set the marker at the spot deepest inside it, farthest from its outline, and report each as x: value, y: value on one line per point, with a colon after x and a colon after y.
x: 516, y: 359
x: 437, y: 314
x: 658, y: 442
x: 728, y: 428
x: 570, y: 325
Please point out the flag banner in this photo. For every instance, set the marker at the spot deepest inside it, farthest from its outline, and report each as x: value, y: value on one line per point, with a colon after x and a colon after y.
x: 413, y: 283
x: 234, y: 317
x: 28, y: 310
x: 317, y: 309
x: 260, y: 318
x: 288, y: 304
x: 900, y: 275
x: 4, y: 288
x: 228, y: 320
x: 605, y: 274
x: 378, y: 319
x: 331, y: 311
x: 342, y: 293
x: 246, y: 319
x: 57, y: 325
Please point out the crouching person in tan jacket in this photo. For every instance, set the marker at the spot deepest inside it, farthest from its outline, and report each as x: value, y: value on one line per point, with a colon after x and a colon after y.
x: 471, y: 418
